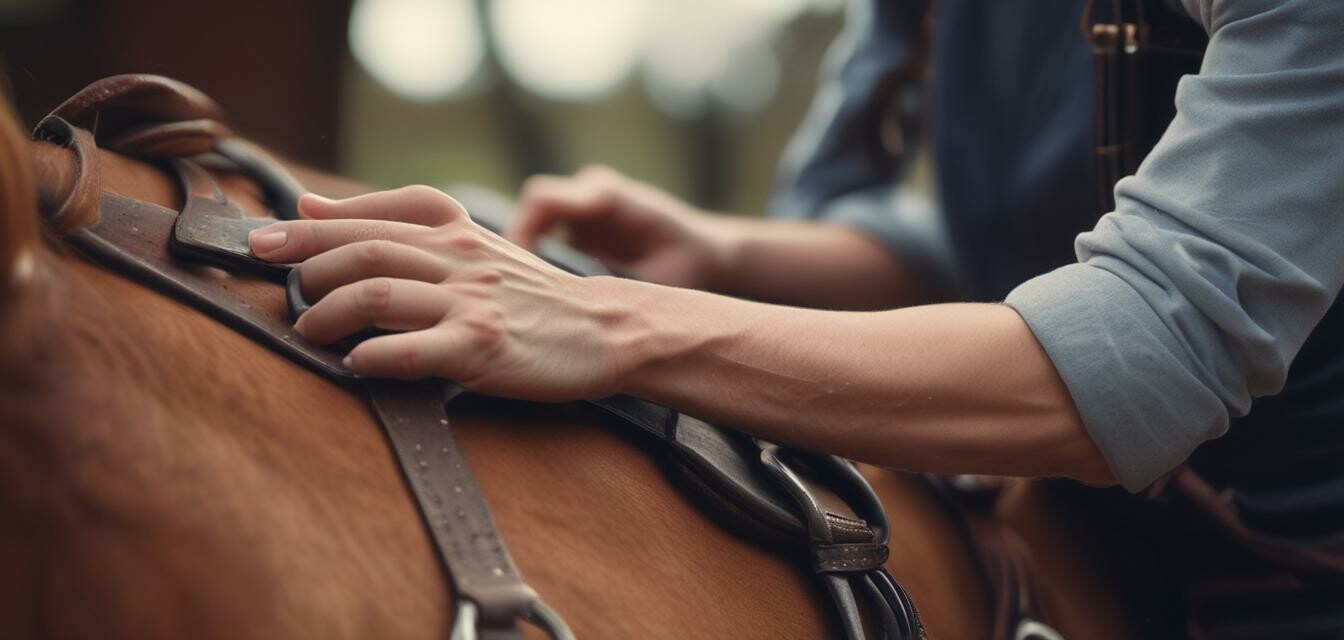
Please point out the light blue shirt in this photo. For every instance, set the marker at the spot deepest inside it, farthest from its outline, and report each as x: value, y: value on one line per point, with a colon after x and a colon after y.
x: 1225, y: 250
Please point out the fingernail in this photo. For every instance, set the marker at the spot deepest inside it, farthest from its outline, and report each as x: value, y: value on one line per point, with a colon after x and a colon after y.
x: 263, y: 241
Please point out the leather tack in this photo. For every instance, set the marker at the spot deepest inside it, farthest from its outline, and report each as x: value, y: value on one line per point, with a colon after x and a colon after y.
x: 826, y: 505
x: 79, y: 208
x: 850, y: 557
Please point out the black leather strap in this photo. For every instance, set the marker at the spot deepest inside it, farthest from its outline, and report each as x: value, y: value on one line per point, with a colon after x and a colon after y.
x: 848, y: 550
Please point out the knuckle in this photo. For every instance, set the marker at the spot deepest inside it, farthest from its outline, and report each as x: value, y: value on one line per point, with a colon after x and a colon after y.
x: 406, y: 361
x: 422, y: 192
x: 374, y: 296
x: 485, y: 329
x: 488, y: 276
x: 375, y: 253
x: 451, y: 209
x: 446, y: 207
x: 466, y: 243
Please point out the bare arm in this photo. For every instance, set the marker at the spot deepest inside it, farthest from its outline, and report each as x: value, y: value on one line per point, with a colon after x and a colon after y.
x: 948, y: 388
x: 814, y: 264
x: 655, y: 237
x: 958, y: 388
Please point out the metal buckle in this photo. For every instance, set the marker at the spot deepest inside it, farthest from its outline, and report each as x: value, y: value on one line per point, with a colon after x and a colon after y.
x: 539, y: 614
x: 1029, y: 629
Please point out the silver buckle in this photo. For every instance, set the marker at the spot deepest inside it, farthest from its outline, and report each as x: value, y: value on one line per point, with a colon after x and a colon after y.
x: 1028, y: 629
x: 539, y: 614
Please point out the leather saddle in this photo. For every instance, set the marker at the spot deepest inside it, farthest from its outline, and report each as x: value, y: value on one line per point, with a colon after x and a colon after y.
x: 816, y: 508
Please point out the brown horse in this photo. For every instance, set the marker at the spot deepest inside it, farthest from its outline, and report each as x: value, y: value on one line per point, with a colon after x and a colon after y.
x: 163, y: 476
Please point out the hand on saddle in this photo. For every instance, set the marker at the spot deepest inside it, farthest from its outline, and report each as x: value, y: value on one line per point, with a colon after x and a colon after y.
x: 628, y: 225
x: 469, y: 305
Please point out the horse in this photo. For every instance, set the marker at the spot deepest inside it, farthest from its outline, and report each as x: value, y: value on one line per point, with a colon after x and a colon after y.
x: 162, y: 476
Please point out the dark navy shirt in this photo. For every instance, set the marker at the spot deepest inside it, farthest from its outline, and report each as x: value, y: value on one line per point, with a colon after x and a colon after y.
x: 1177, y: 316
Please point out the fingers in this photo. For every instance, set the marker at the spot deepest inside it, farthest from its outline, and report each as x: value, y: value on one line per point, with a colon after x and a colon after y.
x: 416, y: 354
x: 547, y: 200
x: 297, y: 240
x: 386, y: 215
x: 389, y: 303
x: 416, y: 204
x: 325, y: 272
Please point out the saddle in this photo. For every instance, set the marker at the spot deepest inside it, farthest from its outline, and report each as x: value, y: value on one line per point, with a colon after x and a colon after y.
x: 809, y: 506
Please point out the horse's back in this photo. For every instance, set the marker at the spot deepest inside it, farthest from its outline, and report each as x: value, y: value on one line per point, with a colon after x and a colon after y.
x: 173, y: 478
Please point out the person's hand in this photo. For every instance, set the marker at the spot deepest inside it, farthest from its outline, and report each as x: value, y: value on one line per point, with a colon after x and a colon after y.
x: 626, y: 224
x: 472, y: 306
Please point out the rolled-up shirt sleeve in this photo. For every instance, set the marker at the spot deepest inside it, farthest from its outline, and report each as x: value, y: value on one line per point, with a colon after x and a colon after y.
x: 1224, y: 251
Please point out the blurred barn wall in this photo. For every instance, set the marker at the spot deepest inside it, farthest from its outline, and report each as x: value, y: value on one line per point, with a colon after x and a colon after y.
x: 274, y: 66
x: 285, y: 76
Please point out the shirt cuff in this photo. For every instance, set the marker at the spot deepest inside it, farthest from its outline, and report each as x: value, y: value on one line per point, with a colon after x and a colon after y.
x: 1137, y: 394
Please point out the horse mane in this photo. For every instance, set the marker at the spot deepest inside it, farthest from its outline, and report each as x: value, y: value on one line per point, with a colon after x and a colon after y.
x: 19, y: 226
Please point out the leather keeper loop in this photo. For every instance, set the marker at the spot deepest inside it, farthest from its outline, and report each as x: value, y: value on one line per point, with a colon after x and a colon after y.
x: 79, y: 207
x: 849, y: 558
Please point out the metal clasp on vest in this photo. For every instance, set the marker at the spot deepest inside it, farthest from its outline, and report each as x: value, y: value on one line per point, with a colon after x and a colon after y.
x: 539, y: 614
x: 1109, y: 34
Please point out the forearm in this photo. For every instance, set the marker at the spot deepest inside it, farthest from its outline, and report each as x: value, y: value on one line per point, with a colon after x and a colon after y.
x: 814, y: 265
x: 947, y: 388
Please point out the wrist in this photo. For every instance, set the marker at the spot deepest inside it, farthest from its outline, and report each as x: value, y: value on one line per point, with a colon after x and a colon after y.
x: 643, y: 326
x: 725, y: 236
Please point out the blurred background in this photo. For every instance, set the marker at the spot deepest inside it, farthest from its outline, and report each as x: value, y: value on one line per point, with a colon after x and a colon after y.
x: 696, y: 96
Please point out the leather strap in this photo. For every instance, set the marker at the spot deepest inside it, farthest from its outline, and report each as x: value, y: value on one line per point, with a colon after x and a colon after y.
x: 134, y: 238
x: 159, y: 118
x: 78, y: 208
x: 454, y: 509
x: 848, y: 550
